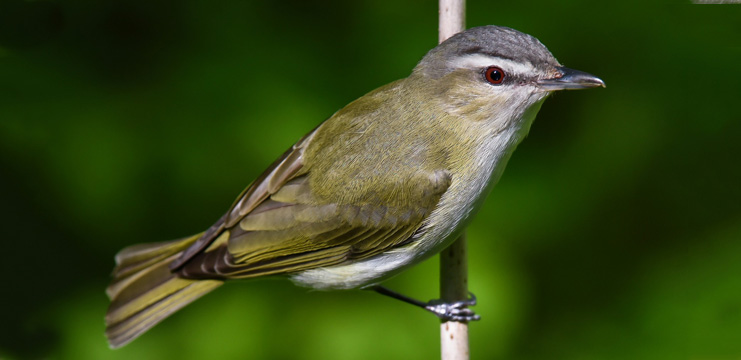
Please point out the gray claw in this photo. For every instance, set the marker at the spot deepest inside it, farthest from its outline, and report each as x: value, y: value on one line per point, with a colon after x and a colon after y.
x: 455, y: 311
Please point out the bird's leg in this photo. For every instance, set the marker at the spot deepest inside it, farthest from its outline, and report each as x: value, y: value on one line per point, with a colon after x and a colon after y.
x: 454, y: 311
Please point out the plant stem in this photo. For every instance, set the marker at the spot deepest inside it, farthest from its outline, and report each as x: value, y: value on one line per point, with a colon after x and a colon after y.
x: 454, y: 259
x: 454, y: 287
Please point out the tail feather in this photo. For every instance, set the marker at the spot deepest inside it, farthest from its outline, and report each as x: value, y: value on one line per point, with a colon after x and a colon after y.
x: 133, y: 260
x: 137, y: 257
x: 144, y: 291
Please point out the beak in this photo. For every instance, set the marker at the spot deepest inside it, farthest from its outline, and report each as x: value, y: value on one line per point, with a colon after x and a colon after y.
x: 570, y: 79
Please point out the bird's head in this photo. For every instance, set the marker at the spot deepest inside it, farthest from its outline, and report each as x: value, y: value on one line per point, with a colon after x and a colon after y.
x: 494, y: 72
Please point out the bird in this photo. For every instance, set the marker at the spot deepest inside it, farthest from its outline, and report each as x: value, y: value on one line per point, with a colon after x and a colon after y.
x: 384, y: 183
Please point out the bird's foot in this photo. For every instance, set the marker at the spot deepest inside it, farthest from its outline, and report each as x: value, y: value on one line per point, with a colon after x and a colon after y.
x: 454, y: 311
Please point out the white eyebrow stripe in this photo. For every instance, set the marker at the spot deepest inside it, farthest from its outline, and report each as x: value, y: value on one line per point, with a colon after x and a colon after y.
x: 478, y: 61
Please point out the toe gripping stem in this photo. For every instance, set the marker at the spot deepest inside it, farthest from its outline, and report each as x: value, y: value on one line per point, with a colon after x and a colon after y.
x: 446, y: 311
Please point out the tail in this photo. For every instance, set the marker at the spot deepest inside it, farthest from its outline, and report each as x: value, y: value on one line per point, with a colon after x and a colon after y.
x: 145, y: 292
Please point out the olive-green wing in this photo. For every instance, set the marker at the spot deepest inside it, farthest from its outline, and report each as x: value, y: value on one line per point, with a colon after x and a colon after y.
x: 270, y: 181
x: 289, y: 232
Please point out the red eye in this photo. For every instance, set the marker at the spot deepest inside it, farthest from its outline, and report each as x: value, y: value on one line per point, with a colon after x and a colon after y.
x: 494, y: 75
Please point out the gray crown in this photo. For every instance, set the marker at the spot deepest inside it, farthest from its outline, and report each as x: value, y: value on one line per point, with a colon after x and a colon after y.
x: 489, y: 40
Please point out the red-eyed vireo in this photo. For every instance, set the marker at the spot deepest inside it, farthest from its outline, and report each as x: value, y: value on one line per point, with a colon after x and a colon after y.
x: 385, y: 182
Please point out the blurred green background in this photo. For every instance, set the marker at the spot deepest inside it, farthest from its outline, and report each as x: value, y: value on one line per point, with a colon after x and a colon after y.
x: 614, y: 234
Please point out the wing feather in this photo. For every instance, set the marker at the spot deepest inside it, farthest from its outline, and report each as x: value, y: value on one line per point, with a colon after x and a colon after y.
x: 277, y: 174
x: 279, y: 226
